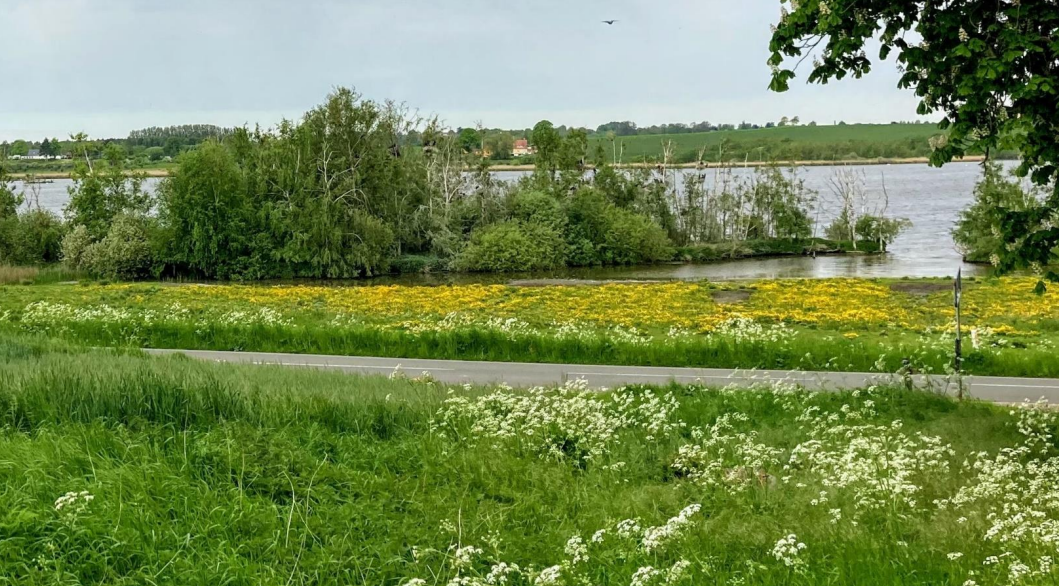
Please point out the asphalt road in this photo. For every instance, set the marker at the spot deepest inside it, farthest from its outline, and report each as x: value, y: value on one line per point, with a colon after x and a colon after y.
x: 520, y: 374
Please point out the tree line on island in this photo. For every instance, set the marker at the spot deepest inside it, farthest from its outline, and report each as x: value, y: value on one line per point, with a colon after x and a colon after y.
x: 338, y: 195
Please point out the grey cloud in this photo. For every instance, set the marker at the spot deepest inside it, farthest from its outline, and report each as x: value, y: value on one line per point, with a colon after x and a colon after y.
x: 107, y: 66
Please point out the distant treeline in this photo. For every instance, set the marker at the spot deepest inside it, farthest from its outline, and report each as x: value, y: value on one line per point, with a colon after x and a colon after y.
x: 186, y: 134
x: 628, y: 128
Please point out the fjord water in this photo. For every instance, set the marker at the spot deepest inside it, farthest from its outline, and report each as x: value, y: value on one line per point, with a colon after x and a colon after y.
x: 931, y: 198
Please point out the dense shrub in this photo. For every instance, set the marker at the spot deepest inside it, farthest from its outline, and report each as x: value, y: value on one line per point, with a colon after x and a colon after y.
x: 880, y: 230
x: 631, y: 238
x: 125, y: 252
x: 36, y: 238
x: 205, y: 209
x: 976, y: 233
x: 791, y: 222
x: 74, y: 245
x: 513, y: 246
x: 600, y: 232
x: 538, y: 207
x: 27, y: 237
x: 103, y: 191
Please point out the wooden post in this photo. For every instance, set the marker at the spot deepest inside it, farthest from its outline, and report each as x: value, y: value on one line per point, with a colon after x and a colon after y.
x: 958, y: 361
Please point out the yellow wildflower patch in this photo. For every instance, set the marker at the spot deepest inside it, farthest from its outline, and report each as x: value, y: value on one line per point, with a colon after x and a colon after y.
x: 846, y: 305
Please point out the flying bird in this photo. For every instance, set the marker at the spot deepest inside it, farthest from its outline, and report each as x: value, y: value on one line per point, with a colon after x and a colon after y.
x: 609, y: 21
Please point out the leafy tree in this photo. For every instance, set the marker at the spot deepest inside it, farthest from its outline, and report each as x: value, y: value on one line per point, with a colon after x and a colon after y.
x: 204, y: 207
x: 573, y: 150
x: 172, y: 147
x: 632, y: 238
x: 33, y: 237
x: 73, y: 247
x: 19, y: 148
x: 988, y: 65
x: 977, y: 233
x: 469, y: 140
x: 9, y: 200
x: 100, y: 194
x: 46, y: 148
x: 513, y: 246
x: 539, y: 207
x: 9, y: 204
x: 882, y: 231
x: 154, y: 153
x: 356, y: 191
x: 500, y: 146
x: 784, y: 121
x: 547, y: 142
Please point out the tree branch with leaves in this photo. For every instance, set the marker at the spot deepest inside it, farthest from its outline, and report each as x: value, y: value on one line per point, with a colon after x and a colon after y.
x: 991, y: 67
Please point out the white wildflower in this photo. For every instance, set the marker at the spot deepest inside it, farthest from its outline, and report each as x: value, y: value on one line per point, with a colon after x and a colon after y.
x: 549, y: 576
x: 788, y: 550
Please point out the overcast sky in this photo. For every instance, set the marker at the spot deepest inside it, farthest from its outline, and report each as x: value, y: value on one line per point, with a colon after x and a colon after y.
x: 108, y: 66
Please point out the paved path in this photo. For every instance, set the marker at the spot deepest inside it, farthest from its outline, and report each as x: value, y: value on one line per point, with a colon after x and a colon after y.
x: 521, y: 374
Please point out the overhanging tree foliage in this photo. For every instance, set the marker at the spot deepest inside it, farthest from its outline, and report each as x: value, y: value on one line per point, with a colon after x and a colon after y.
x: 990, y: 66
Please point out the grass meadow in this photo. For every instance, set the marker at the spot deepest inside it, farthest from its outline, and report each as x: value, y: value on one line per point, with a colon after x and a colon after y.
x: 116, y: 468
x: 832, y: 324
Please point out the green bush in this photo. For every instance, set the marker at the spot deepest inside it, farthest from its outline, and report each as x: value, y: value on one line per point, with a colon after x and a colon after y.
x: 538, y: 207
x: 125, y: 252
x: 880, y: 230
x: 513, y: 246
x: 600, y: 232
x: 632, y: 238
x: 37, y: 238
x: 976, y: 233
x: 205, y: 208
x: 74, y: 246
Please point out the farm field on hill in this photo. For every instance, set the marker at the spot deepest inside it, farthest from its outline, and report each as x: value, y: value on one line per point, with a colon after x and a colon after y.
x: 788, y: 143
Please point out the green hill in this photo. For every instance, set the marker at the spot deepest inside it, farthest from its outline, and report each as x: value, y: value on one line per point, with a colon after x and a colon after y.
x: 789, y: 143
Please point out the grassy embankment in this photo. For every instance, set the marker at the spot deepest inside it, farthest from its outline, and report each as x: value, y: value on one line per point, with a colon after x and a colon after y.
x: 122, y: 469
x: 837, y: 324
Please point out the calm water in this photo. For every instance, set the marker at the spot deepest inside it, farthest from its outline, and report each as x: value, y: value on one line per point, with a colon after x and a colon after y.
x: 931, y: 198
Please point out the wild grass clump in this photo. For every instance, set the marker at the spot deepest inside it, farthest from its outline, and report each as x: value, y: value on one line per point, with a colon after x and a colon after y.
x: 125, y: 469
x: 28, y: 275
x: 10, y: 275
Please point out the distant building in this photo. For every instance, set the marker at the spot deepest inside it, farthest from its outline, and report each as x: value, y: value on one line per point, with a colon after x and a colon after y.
x: 522, y: 148
x: 34, y: 154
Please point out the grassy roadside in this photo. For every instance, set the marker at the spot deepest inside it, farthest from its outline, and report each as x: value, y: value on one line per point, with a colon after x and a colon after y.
x: 124, y: 469
x: 837, y: 324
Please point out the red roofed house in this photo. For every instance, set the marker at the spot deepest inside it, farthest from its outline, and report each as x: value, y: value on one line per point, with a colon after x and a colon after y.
x: 522, y: 148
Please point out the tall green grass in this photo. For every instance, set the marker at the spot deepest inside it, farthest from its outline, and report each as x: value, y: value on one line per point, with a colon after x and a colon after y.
x: 220, y: 474
x: 23, y: 275
x: 808, y: 350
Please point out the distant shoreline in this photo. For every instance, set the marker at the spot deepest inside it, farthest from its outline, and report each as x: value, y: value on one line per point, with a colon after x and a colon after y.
x: 735, y: 164
x: 157, y: 173
x: 68, y: 174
